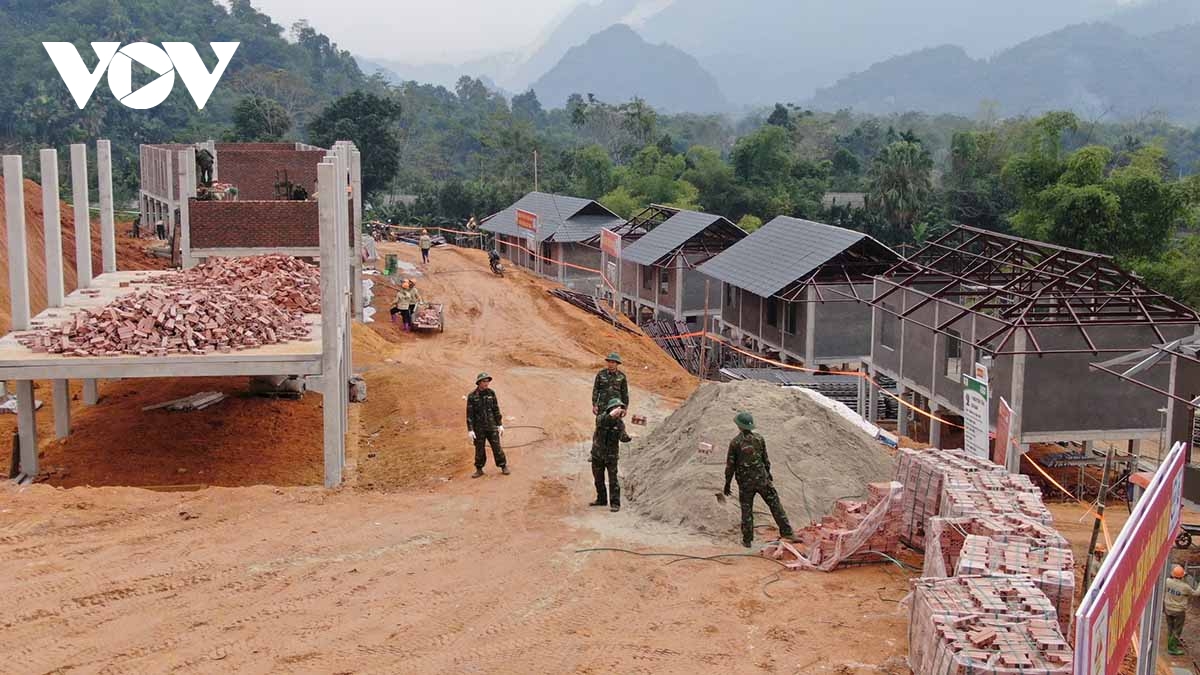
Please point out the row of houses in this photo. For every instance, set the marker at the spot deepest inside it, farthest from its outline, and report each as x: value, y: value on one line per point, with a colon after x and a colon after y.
x: 1037, y: 317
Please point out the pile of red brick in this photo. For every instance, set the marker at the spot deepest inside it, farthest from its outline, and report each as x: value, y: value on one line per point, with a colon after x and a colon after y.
x: 224, y: 305
x: 856, y: 532
x: 1052, y: 568
x: 289, y: 282
x: 946, y: 537
x: 923, y: 473
x: 996, y: 625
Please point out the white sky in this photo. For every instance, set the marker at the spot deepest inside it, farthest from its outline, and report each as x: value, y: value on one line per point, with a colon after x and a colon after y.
x: 422, y: 31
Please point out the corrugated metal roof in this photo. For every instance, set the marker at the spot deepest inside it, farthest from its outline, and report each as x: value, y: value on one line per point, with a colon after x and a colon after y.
x: 668, y: 236
x: 559, y: 218
x: 779, y: 253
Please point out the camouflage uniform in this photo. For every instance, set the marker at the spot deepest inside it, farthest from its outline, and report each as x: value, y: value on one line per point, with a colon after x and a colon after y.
x: 748, y: 461
x: 204, y: 162
x: 609, y: 386
x: 606, y: 448
x: 483, y: 417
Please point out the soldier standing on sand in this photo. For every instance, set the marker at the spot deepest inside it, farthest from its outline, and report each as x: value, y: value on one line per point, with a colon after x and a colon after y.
x: 610, y: 383
x: 606, y: 450
x: 748, y: 461
x: 485, y: 424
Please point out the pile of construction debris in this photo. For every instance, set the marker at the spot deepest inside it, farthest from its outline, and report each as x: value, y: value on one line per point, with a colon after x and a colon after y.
x: 817, y: 457
x: 222, y: 306
x: 973, y: 518
x: 856, y: 532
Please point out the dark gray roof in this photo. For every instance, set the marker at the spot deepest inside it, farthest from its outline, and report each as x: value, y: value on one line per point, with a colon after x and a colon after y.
x: 560, y: 218
x: 779, y: 253
x: 669, y: 236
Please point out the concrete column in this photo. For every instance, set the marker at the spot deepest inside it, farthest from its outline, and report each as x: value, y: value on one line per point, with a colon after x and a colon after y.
x: 861, y: 408
x: 83, y: 225
x: 62, y: 408
x: 356, y: 291
x: 187, y: 183
x: 902, y: 414
x: 935, y: 429
x: 212, y: 148
x: 872, y: 398
x: 679, y: 272
x: 108, y: 225
x: 333, y: 438
x: 18, y: 266
x: 1018, y: 401
x: 169, y: 207
x: 91, y: 392
x: 52, y: 222
x: 27, y: 428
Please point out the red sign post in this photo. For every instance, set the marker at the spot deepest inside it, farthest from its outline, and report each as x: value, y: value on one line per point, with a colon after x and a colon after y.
x: 610, y: 242
x: 1112, y: 609
x: 527, y: 221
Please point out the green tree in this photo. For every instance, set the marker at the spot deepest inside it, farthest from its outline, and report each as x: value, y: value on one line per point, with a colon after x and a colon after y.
x: 591, y: 172
x: 1176, y: 272
x: 256, y: 118
x: 621, y: 202
x: 370, y: 122
x: 526, y: 107
x: 750, y: 223
x: 901, y: 183
x: 779, y: 117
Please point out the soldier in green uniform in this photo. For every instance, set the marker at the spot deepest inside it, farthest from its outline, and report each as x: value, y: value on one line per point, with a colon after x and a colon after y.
x: 485, y: 424
x: 748, y: 461
x: 204, y: 165
x: 610, y: 383
x: 606, y: 448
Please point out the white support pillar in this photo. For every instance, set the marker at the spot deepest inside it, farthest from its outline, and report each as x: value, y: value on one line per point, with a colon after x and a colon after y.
x: 861, y: 409
x: 935, y: 428
x: 18, y: 266
x: 108, y: 225
x: 52, y: 223
x: 62, y: 408
x: 83, y: 224
x: 357, y: 261
x: 187, y: 184
x: 91, y: 392
x: 872, y: 397
x: 678, y: 304
x: 901, y: 412
x: 1017, y: 425
x: 169, y: 206
x: 27, y: 428
x: 810, y: 325
x: 334, y: 439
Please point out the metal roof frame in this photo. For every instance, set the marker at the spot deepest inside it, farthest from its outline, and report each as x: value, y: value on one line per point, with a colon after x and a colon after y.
x: 1026, y: 285
x: 1184, y: 348
x: 706, y: 242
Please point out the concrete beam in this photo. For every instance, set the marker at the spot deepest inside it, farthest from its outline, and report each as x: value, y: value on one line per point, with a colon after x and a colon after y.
x: 18, y: 266
x: 83, y: 224
x: 27, y: 428
x: 62, y: 408
x: 52, y: 224
x: 108, y: 225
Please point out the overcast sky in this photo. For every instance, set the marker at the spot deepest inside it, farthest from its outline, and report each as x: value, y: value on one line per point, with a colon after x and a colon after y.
x: 422, y: 31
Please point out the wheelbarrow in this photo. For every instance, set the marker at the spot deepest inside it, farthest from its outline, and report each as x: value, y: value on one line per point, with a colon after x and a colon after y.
x: 430, y: 316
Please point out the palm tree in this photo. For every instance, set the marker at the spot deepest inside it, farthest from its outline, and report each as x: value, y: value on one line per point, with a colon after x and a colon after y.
x: 901, y: 183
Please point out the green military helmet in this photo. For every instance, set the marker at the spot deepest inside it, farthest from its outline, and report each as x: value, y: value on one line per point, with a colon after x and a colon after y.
x: 614, y: 357
x: 614, y: 403
x: 744, y: 421
x: 481, y: 377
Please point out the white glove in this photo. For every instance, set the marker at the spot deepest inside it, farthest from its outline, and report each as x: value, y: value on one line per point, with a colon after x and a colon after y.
x: 500, y: 429
x: 471, y: 434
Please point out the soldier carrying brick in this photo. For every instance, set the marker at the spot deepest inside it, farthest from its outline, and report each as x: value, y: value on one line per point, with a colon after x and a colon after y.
x: 606, y: 450
x: 748, y: 461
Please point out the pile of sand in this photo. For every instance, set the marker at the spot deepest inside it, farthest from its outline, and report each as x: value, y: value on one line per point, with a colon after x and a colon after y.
x: 817, y: 457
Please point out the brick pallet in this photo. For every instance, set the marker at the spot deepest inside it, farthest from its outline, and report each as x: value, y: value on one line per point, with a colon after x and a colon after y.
x: 1052, y: 568
x: 946, y: 537
x: 967, y: 499
x: 856, y: 532
x: 996, y: 625
x: 923, y: 472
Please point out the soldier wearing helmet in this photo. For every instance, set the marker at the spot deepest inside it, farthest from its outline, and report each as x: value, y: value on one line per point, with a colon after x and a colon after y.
x: 748, y: 462
x: 606, y: 450
x: 610, y: 383
x: 485, y: 424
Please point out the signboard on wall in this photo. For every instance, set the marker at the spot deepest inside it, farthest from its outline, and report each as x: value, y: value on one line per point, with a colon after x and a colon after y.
x: 527, y: 221
x: 610, y: 242
x: 1112, y: 609
x: 975, y: 417
x: 1003, y: 433
x: 981, y: 372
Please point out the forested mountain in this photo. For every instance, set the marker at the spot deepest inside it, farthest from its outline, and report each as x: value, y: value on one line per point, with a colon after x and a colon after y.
x: 617, y: 65
x: 1094, y: 69
x: 36, y: 109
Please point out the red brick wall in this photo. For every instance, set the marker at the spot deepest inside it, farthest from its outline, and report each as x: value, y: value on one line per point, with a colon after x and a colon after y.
x: 255, y: 170
x: 222, y: 147
x: 273, y: 224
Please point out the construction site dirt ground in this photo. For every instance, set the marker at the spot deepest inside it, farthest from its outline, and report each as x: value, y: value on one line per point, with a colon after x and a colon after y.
x: 412, y: 567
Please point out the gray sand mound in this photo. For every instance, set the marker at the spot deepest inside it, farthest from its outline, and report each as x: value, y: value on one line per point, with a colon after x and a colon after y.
x: 817, y: 457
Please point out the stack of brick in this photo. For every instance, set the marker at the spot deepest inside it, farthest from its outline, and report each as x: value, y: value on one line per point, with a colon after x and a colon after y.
x: 968, y: 495
x: 289, y: 282
x: 946, y: 536
x: 856, y: 532
x: 995, y: 625
x: 158, y: 322
x: 1052, y: 568
x: 923, y: 472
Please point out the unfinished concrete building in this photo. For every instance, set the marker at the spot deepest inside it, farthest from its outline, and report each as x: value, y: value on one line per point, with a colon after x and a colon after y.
x: 1037, y: 316
x: 798, y: 290
x: 262, y: 201
x: 657, y: 275
x: 324, y: 358
x: 555, y: 248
